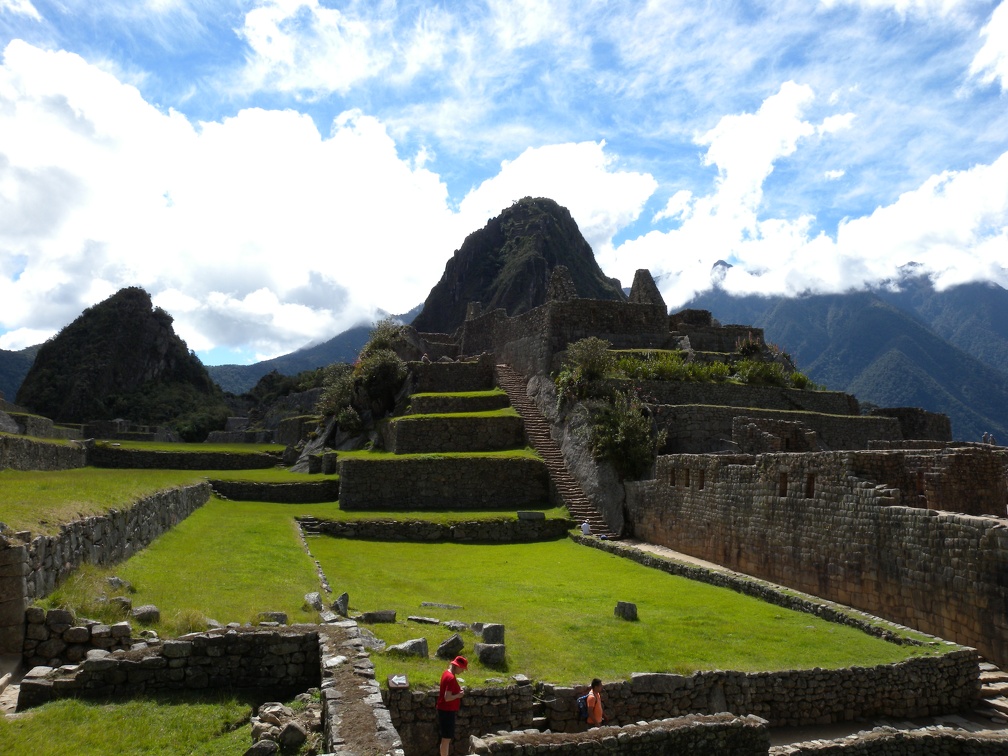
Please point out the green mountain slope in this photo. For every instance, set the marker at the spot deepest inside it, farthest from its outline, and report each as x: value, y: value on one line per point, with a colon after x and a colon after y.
x: 14, y: 366
x: 861, y: 344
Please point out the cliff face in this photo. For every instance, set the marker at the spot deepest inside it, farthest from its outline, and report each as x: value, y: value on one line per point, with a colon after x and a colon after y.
x: 507, y: 264
x: 119, y: 358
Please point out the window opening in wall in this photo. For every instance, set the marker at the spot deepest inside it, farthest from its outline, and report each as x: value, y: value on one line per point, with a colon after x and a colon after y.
x: 782, y: 485
x: 700, y: 479
x: 920, y: 482
x: 686, y: 477
x: 810, y: 486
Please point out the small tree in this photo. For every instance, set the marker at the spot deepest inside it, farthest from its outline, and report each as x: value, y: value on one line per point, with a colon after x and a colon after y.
x: 624, y: 434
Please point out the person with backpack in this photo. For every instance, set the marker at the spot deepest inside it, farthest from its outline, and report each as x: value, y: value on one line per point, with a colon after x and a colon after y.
x: 594, y: 704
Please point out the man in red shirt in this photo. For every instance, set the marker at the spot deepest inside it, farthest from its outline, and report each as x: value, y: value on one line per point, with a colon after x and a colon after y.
x: 449, y: 700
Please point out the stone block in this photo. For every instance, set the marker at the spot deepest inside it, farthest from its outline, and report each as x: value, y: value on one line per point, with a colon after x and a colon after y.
x: 626, y: 610
x: 176, y: 649
x: 414, y: 647
x: 77, y: 635
x: 493, y: 633
x: 490, y: 654
x: 381, y: 616
x: 450, y: 648
x: 57, y: 617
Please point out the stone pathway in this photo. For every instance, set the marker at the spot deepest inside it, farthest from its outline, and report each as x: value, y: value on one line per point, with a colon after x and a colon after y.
x: 537, y: 430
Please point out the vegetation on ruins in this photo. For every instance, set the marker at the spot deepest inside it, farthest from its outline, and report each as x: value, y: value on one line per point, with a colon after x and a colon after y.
x: 623, y: 432
x: 368, y: 389
x: 563, y: 629
x: 196, y: 725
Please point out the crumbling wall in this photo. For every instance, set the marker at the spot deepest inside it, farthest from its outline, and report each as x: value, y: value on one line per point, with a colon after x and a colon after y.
x: 18, y: 453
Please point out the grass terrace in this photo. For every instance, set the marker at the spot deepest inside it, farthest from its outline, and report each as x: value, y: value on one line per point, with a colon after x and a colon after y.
x: 169, y: 446
x: 559, y: 619
x: 503, y: 412
x: 526, y: 453
x: 461, y: 394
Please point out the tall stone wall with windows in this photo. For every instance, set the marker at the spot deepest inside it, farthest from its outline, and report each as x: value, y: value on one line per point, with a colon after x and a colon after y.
x: 880, y: 531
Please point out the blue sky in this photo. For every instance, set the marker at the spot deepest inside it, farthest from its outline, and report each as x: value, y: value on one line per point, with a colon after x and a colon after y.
x: 275, y: 171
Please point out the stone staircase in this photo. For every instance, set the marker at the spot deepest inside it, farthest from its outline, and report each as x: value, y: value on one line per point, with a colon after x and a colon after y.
x: 538, y: 433
x: 993, y: 693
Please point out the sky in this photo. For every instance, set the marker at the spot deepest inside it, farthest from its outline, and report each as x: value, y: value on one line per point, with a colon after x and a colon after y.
x: 276, y: 171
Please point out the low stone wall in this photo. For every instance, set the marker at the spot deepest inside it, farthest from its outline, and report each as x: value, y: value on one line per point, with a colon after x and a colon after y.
x: 18, y: 453
x: 414, y: 714
x: 476, y: 375
x: 277, y: 662
x: 476, y: 531
x: 703, y: 428
x: 432, y: 404
x: 888, y: 741
x: 308, y: 492
x: 923, y: 686
x: 108, y: 538
x: 456, y: 483
x: 54, y: 638
x: 717, y: 735
x: 103, y: 455
x: 735, y: 395
x: 413, y: 434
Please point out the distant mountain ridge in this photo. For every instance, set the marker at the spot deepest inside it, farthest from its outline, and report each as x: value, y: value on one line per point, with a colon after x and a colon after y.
x: 507, y: 264
x: 888, y: 347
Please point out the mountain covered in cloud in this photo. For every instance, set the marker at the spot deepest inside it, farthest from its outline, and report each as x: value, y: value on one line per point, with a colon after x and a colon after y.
x: 906, y: 344
x: 507, y: 264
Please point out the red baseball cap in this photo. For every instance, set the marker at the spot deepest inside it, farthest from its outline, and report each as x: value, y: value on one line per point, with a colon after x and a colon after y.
x: 460, y: 661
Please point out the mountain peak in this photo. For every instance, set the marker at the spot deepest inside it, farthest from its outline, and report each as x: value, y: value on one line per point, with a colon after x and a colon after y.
x: 508, y: 263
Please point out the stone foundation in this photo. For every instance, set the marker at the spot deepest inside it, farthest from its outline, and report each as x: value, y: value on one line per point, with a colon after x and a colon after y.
x: 476, y: 531
x: 308, y: 492
x: 420, y: 434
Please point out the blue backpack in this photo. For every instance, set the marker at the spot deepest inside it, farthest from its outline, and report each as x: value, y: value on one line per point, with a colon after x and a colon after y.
x: 582, y: 708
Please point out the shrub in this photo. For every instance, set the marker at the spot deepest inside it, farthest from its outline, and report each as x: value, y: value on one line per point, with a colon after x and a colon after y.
x: 337, y: 389
x: 591, y: 357
x: 384, y: 335
x: 759, y: 373
x: 749, y: 346
x: 381, y: 373
x: 624, y: 434
x: 654, y: 366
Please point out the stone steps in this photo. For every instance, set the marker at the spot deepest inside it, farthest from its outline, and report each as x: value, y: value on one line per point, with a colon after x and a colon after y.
x: 537, y: 431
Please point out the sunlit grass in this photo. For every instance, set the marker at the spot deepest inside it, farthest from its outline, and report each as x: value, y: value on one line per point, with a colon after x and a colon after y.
x: 227, y: 561
x: 502, y: 412
x: 140, y: 727
x: 527, y: 453
x: 234, y: 448
x: 41, y: 501
x: 461, y: 394
x: 557, y: 602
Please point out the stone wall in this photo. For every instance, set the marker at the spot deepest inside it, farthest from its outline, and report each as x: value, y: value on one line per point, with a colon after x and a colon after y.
x: 277, y: 662
x: 413, y: 434
x: 108, y: 538
x: 834, y: 524
x: 703, y: 428
x: 723, y: 339
x: 917, y: 423
x: 457, y: 483
x: 13, y: 569
x: 315, y: 491
x: 54, y: 638
x: 738, y: 395
x: 484, y: 710
x: 431, y: 404
x: 916, y: 687
x: 476, y: 531
x: 889, y: 741
x: 104, y: 455
x: 18, y: 453
x: 473, y: 375
x: 717, y: 735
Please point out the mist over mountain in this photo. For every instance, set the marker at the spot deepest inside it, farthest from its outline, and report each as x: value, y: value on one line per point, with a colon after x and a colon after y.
x: 507, y: 264
x: 944, y: 351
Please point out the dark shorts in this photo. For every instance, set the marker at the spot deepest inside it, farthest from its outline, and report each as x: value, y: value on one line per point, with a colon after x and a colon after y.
x: 446, y: 723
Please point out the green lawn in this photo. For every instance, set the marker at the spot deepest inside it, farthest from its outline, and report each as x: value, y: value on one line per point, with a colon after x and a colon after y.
x: 378, y: 456
x: 556, y: 601
x: 236, y: 448
x: 462, y: 394
x: 227, y: 561
x: 41, y: 501
x: 502, y: 412
x: 140, y: 727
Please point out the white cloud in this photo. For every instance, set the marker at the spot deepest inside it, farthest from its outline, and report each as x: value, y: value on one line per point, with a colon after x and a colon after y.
x: 680, y: 205
x: 301, y: 45
x: 581, y: 177
x: 991, y: 62
x: 21, y: 8
x: 955, y: 225
x: 903, y: 7
x: 833, y: 175
x: 238, y: 215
